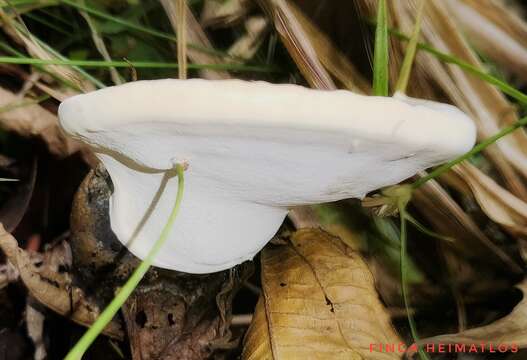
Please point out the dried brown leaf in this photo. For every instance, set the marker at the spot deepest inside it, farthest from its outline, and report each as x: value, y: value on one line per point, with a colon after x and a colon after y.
x: 51, y: 287
x: 33, y: 120
x: 319, y: 301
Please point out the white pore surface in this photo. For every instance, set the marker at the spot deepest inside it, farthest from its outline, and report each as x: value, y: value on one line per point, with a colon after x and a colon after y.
x: 254, y: 149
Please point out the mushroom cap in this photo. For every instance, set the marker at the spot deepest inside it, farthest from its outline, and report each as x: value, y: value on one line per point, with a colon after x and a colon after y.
x: 254, y: 149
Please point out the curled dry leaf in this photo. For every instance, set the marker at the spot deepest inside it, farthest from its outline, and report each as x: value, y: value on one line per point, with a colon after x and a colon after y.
x: 51, y: 286
x: 318, y: 301
x: 33, y: 120
x: 511, y: 329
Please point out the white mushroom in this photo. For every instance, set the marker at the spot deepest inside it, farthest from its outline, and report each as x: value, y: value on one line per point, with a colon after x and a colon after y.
x: 254, y: 150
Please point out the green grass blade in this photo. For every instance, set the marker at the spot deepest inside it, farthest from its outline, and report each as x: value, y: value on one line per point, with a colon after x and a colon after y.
x: 475, y: 70
x: 10, y: 50
x: 409, y: 56
x: 380, y: 56
x: 475, y: 150
x: 58, y: 55
x: 136, y: 64
x: 138, y: 27
x: 107, y: 315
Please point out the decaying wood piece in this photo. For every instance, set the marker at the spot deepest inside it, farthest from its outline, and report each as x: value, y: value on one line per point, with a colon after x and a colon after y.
x: 171, y: 315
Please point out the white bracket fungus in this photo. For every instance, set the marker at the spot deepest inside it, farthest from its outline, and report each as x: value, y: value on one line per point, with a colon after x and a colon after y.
x: 254, y: 150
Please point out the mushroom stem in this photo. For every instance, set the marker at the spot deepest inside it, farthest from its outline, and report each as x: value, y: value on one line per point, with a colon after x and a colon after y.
x: 122, y: 295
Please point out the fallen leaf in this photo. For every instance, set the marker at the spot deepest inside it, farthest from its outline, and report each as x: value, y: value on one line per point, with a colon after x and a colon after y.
x: 33, y: 120
x: 319, y: 301
x: 511, y: 329
x: 50, y: 285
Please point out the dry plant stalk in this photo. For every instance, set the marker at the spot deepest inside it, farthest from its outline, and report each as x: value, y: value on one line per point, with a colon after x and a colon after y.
x: 298, y: 43
x: 494, y: 29
x: 195, y: 35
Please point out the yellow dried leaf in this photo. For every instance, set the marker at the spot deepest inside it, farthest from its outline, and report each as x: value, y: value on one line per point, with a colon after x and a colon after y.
x: 319, y: 302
